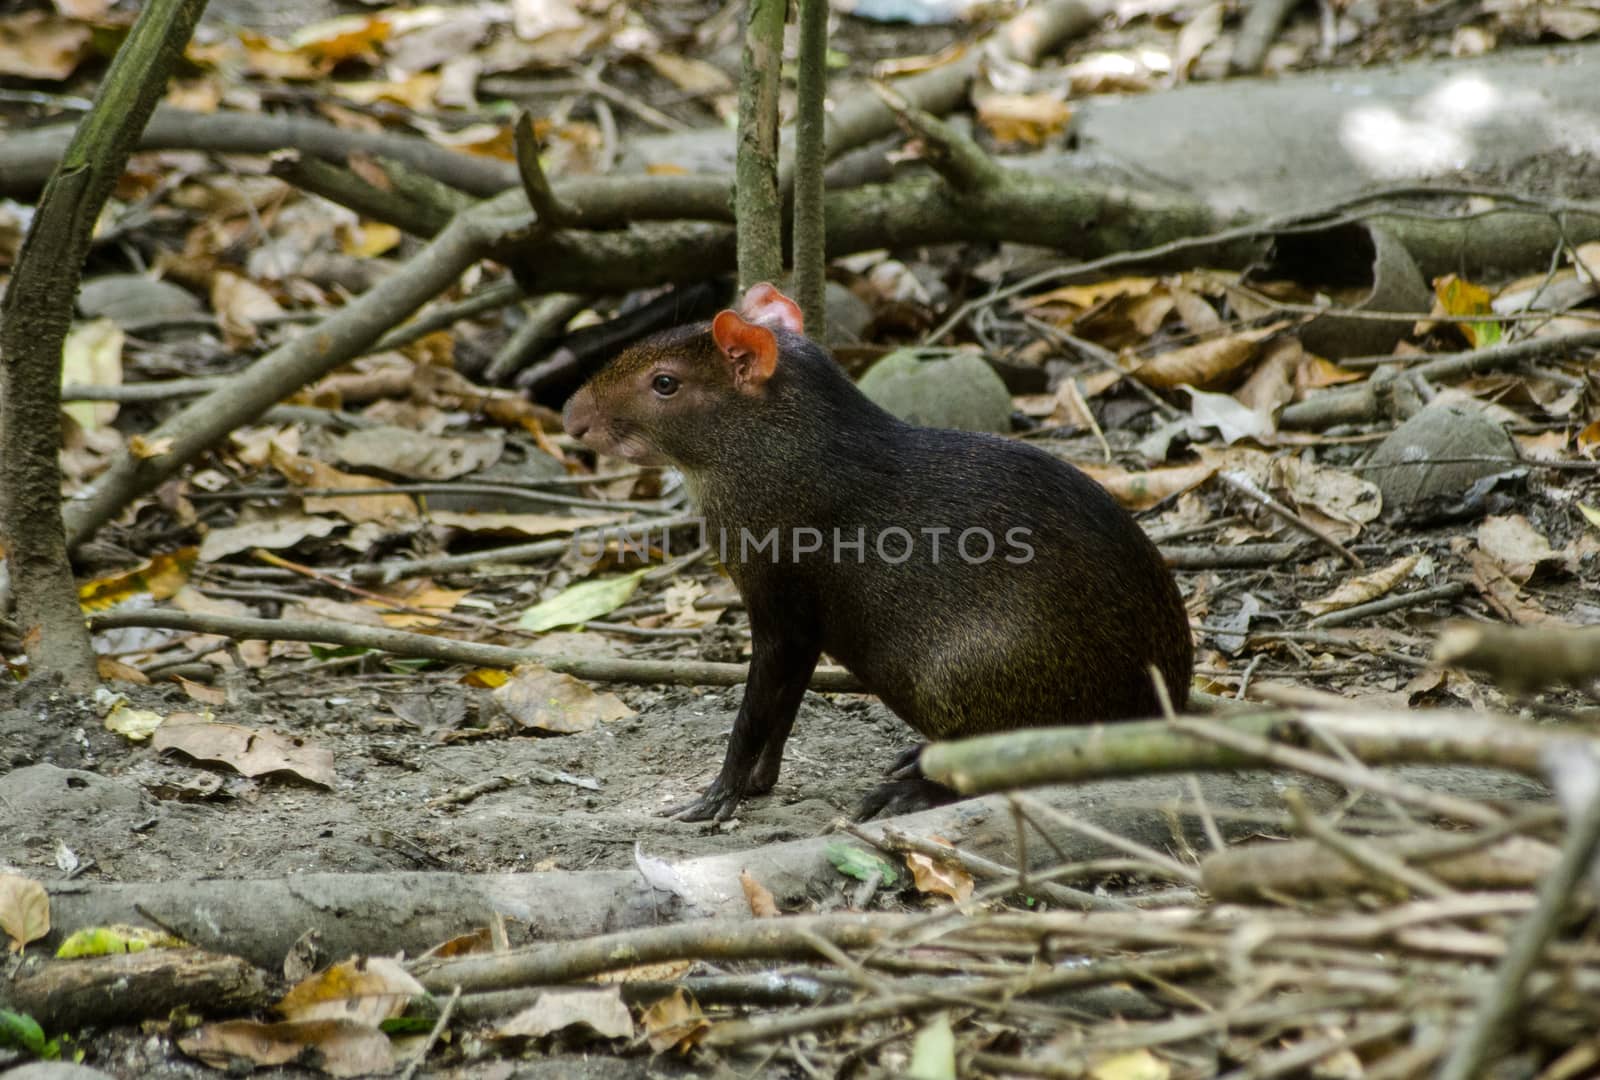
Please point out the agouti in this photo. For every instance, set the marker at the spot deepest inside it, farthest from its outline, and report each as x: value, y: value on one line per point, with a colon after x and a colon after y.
x: 974, y: 583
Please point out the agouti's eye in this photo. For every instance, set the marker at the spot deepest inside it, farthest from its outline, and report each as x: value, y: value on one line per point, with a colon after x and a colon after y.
x: 664, y: 385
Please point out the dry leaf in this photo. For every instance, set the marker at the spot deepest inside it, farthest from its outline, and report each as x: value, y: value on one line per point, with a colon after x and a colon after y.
x: 249, y: 751
x: 536, y: 697
x: 419, y: 455
x: 695, y: 76
x: 601, y: 1011
x: 1028, y: 119
x: 762, y: 904
x: 240, y: 303
x: 340, y: 1047
x: 1516, y: 546
x: 1142, y: 490
x: 1205, y: 364
x: 274, y: 532
x: 92, y: 356
x: 39, y: 45
x: 1233, y: 419
x: 24, y: 910
x: 1367, y: 587
x: 674, y: 1022
x: 1502, y: 594
x: 367, y: 990
x: 1337, y: 501
x: 385, y: 509
x: 158, y: 577
x: 939, y: 878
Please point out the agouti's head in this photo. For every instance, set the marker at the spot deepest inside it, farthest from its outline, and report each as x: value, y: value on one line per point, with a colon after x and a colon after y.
x: 666, y: 399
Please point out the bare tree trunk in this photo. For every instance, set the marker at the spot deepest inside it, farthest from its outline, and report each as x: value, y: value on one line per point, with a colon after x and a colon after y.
x: 757, y: 206
x: 34, y: 320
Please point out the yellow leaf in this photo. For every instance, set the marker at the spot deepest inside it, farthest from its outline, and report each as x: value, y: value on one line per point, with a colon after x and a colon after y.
x: 160, y: 577
x: 92, y: 356
x: 24, y: 910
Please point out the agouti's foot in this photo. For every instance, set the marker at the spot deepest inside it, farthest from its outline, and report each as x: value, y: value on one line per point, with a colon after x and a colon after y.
x: 904, y: 797
x: 907, y: 764
x: 714, y: 804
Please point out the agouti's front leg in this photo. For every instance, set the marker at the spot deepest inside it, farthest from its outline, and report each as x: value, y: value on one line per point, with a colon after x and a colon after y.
x: 782, y: 659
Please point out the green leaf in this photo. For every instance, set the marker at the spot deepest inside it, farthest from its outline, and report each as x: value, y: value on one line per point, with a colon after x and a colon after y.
x: 325, y: 652
x: 859, y: 863
x: 582, y: 602
x: 23, y: 1032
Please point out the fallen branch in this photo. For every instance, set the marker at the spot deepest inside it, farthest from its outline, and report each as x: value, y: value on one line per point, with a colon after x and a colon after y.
x: 451, y: 651
x: 1064, y: 755
x: 1524, y: 658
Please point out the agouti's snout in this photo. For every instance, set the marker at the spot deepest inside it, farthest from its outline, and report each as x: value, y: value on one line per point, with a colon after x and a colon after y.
x: 578, y: 417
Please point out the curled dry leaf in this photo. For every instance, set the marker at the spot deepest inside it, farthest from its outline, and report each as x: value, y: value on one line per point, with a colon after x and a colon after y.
x: 762, y: 903
x: 674, y: 1022
x: 145, y: 448
x: 24, y: 910
x: 304, y: 472
x: 1367, y: 587
x: 680, y: 599
x: 942, y: 879
x: 1502, y: 594
x: 601, y: 1011
x: 1205, y: 364
x: 133, y: 724
x: 240, y: 303
x: 1142, y: 490
x: 159, y: 577
x: 1519, y: 549
x: 368, y: 990
x: 1029, y: 119
x: 342, y: 1047
x: 419, y: 455
x: 1233, y: 419
x: 1339, y: 502
x: 249, y: 751
x: 273, y: 532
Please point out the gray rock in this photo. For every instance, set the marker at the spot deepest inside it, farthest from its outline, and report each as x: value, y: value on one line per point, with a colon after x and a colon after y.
x: 44, y: 795
x: 1414, y: 462
x: 56, y: 1070
x: 959, y: 391
x: 848, y: 315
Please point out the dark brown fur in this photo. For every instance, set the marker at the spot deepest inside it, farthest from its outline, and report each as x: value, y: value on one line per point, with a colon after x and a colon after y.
x: 954, y: 648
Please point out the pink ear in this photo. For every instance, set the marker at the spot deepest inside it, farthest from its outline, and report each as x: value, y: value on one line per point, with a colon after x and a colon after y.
x: 763, y: 303
x: 752, y: 350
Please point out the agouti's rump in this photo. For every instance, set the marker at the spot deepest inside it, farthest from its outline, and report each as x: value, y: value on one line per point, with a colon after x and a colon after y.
x: 974, y: 583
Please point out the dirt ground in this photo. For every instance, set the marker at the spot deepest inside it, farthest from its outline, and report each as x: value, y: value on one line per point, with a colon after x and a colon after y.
x: 121, y: 808
x: 70, y: 790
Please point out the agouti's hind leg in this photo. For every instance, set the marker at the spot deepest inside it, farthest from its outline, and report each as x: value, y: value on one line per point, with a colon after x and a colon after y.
x: 906, y: 764
x: 903, y: 797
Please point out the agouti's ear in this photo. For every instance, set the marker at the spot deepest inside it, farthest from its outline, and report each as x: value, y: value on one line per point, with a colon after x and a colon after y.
x: 752, y: 350
x: 763, y: 303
